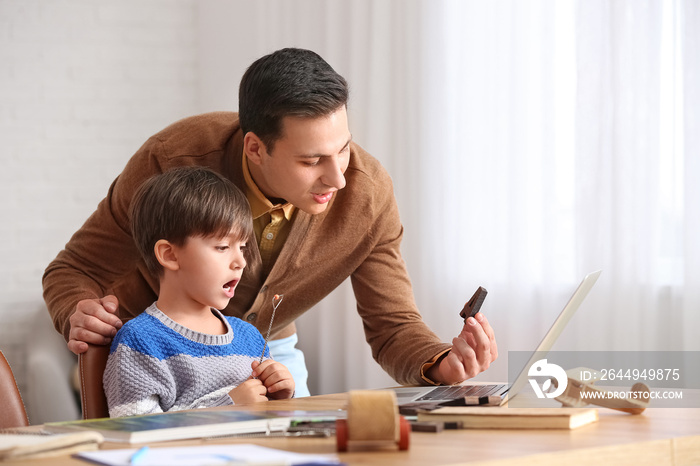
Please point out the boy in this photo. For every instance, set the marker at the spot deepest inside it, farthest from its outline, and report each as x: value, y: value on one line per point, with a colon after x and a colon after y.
x: 191, y: 226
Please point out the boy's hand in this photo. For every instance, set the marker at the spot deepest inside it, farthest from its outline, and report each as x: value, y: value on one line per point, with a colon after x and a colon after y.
x: 250, y: 391
x: 276, y: 378
x: 94, y: 321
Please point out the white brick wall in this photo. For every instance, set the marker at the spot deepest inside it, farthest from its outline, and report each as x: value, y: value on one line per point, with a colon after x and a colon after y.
x: 83, y: 83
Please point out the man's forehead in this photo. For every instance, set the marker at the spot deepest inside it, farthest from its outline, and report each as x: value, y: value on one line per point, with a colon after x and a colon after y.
x: 313, y: 137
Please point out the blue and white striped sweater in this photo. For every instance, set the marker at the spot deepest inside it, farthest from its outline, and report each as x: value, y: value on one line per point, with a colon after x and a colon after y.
x: 157, y: 365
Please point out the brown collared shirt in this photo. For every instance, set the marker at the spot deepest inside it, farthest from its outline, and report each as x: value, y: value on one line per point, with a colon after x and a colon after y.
x: 271, y: 222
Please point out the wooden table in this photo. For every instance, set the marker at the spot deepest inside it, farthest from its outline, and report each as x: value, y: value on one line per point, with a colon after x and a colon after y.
x: 659, y: 436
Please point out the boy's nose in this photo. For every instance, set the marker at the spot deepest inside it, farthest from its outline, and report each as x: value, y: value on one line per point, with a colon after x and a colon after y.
x: 238, y: 261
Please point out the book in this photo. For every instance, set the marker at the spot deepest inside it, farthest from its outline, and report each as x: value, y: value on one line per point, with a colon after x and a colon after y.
x: 303, y: 423
x: 30, y: 446
x: 512, y: 418
x: 176, y: 425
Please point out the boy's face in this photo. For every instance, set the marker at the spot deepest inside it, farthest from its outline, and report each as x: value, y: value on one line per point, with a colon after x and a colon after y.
x: 307, y: 164
x: 209, y: 269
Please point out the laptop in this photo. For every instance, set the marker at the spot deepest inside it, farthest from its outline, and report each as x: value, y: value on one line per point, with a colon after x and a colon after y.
x: 498, y: 394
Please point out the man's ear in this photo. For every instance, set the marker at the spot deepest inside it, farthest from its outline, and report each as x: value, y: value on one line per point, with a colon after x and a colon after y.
x: 254, y: 148
x: 166, y: 253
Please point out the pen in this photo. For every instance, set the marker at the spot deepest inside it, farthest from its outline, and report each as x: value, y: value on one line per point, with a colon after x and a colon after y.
x: 138, y: 456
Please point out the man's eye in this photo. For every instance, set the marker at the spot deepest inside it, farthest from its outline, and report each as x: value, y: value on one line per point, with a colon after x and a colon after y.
x: 312, y: 164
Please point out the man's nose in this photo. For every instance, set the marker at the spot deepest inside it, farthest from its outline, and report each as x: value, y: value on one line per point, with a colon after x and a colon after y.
x: 334, y: 176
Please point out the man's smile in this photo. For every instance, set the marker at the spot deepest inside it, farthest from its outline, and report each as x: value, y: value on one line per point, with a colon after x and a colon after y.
x: 323, y: 198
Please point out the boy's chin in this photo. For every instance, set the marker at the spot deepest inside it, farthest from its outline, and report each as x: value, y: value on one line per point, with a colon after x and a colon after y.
x: 220, y: 305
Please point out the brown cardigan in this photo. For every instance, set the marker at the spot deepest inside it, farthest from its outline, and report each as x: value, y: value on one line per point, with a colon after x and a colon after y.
x: 358, y: 236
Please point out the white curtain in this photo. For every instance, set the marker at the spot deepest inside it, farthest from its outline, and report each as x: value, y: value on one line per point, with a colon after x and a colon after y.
x: 636, y: 167
x: 529, y: 143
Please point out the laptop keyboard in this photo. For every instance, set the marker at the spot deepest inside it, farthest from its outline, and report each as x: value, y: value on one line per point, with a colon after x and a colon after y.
x: 460, y: 391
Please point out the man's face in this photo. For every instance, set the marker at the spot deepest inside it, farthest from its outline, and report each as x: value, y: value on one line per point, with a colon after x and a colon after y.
x: 308, y: 162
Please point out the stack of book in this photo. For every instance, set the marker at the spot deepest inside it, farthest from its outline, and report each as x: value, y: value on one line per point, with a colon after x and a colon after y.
x: 511, y: 418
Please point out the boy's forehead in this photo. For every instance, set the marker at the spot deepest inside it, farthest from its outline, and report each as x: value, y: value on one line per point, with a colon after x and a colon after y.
x: 235, y: 232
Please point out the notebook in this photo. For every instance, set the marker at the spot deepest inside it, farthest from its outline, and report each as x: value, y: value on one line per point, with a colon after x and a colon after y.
x: 498, y: 394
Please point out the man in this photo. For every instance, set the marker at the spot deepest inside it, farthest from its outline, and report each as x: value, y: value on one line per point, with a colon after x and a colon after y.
x: 323, y: 210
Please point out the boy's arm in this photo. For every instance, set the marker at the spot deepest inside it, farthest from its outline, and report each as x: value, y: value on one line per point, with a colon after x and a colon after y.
x: 135, y: 384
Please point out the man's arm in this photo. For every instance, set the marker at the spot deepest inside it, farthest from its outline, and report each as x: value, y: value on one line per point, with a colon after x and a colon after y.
x: 77, y: 281
x: 401, y: 342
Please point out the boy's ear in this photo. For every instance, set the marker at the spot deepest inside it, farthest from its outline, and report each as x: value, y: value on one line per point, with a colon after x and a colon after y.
x: 253, y: 147
x: 166, y: 254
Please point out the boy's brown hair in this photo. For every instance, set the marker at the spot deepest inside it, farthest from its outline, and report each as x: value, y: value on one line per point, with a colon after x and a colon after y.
x: 189, y: 202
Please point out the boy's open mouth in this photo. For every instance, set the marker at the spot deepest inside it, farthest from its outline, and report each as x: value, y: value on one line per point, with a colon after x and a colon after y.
x: 231, y: 284
x: 229, y: 287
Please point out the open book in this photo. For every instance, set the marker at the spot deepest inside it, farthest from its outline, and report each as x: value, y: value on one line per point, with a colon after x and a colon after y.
x: 26, y: 446
x: 512, y: 418
x: 175, y: 425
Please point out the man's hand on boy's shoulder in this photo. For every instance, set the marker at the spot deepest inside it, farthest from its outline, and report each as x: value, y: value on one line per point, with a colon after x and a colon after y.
x: 276, y: 378
x: 94, y: 321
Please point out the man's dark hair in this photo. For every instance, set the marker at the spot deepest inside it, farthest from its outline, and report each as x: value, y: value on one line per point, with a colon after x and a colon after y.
x: 189, y: 202
x: 288, y: 82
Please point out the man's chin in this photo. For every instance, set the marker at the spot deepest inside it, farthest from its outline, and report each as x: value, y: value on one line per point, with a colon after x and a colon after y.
x: 313, y: 209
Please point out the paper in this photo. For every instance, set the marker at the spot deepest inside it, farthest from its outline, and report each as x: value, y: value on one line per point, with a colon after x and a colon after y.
x: 207, y: 455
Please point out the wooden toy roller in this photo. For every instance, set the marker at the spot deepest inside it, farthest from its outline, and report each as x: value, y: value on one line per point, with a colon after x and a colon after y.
x: 373, y: 421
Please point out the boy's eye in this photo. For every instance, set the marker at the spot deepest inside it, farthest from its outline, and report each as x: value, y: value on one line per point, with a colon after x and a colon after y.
x: 221, y: 248
x: 312, y: 163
